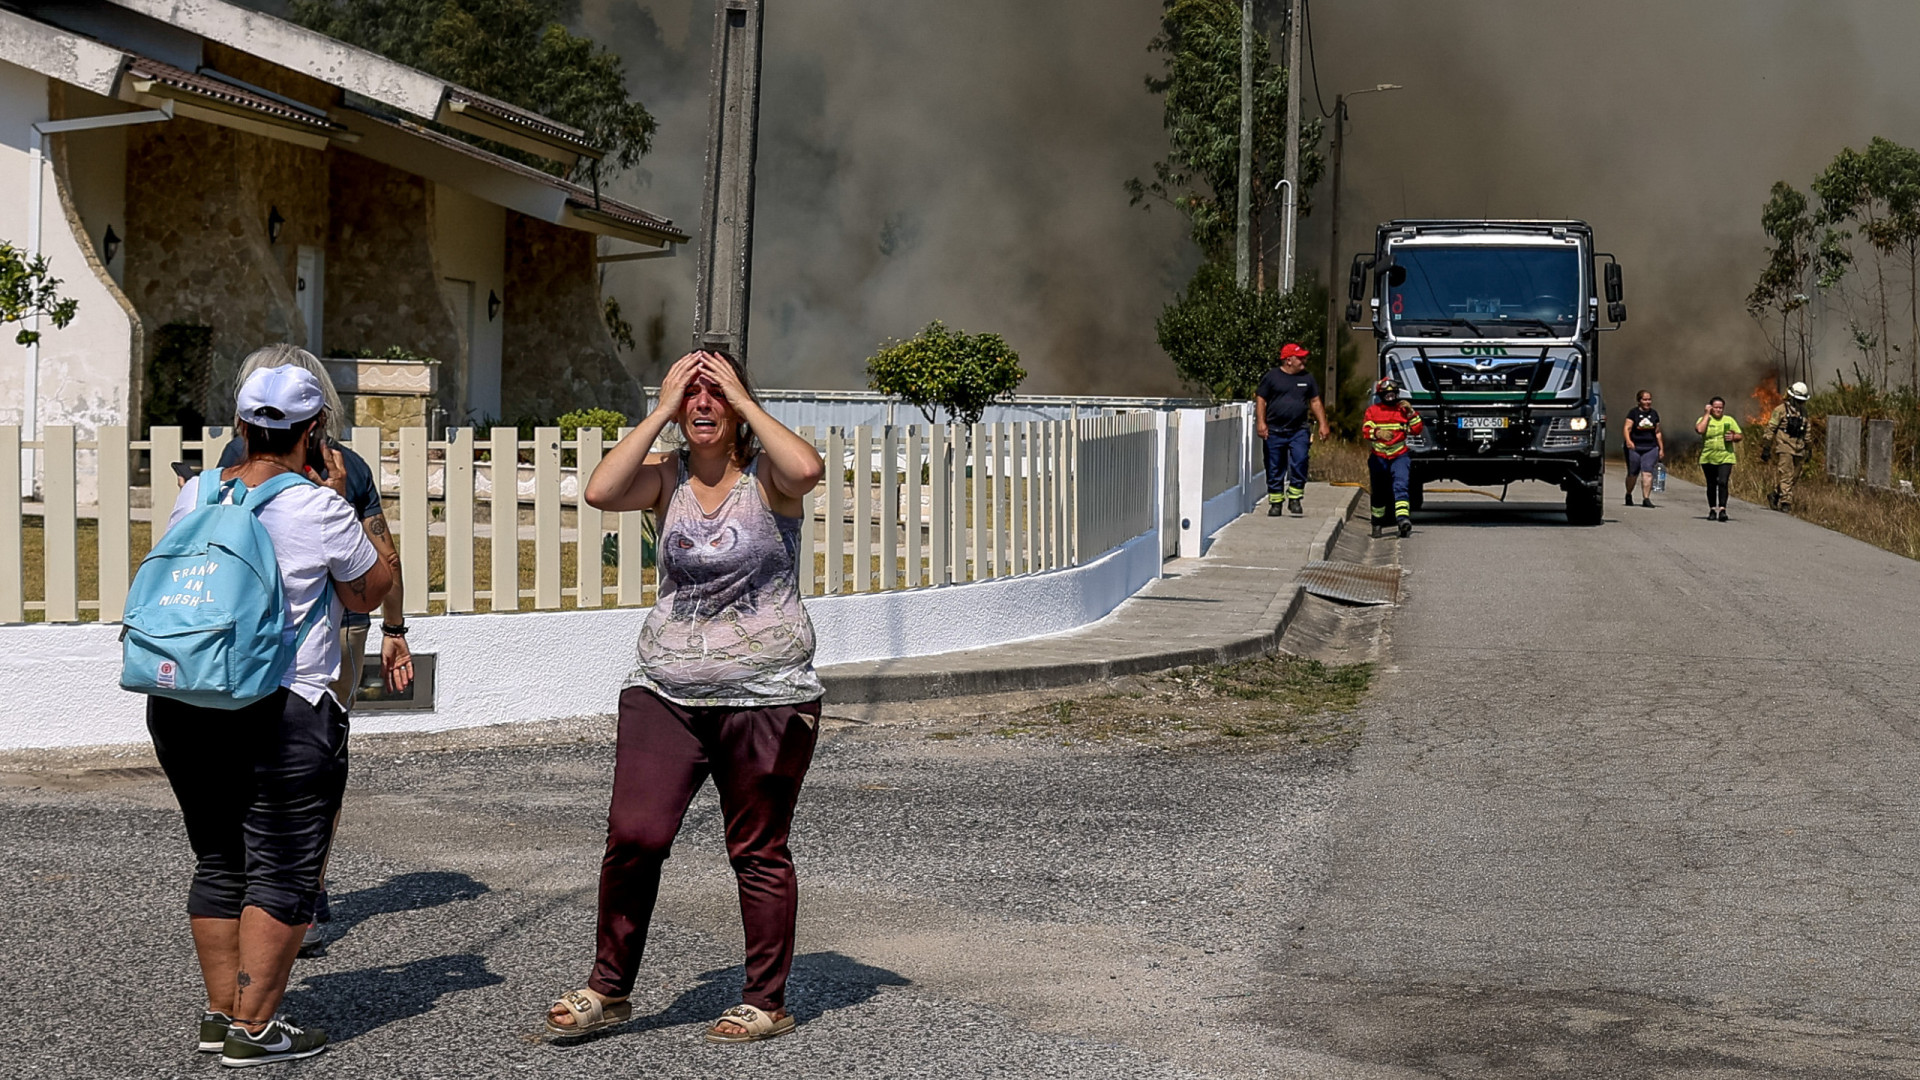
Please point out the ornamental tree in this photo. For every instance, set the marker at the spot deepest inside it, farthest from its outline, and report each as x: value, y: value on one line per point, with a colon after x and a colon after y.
x: 950, y: 370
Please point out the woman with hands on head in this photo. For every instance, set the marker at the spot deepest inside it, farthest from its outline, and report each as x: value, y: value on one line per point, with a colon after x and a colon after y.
x: 723, y: 685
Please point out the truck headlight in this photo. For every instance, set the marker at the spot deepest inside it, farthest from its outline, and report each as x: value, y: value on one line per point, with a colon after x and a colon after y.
x: 1579, y: 423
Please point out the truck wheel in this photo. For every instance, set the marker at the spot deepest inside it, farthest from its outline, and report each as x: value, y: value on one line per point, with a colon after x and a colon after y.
x: 1417, y: 496
x: 1585, y: 506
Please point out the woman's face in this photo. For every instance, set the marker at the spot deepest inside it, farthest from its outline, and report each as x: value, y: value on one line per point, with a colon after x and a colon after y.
x: 706, y: 419
x: 1717, y: 409
x: 1646, y: 401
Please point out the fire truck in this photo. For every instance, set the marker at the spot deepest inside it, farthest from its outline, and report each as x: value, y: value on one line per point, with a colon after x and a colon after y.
x: 1492, y: 330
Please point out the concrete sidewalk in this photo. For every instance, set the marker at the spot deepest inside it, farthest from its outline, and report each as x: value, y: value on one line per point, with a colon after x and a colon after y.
x: 1231, y: 603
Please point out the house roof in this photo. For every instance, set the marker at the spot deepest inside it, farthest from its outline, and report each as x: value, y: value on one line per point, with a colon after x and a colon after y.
x: 221, y: 92
x: 392, y: 84
x: 96, y: 59
x: 564, y: 203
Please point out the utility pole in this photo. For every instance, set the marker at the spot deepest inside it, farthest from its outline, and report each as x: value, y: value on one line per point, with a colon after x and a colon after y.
x: 724, y: 269
x: 1295, y: 21
x: 1336, y: 319
x: 1243, y: 235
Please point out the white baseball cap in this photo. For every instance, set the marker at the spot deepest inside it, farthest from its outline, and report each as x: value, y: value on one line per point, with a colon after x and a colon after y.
x: 280, y: 397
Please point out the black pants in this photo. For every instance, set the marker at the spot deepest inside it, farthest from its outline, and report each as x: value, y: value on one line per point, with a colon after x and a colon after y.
x: 1717, y: 477
x: 259, y: 788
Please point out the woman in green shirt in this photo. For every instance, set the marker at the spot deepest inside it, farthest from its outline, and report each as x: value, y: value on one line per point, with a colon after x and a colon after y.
x: 1717, y: 454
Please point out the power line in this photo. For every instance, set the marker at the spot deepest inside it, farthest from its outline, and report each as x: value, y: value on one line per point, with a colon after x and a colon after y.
x: 1307, y: 12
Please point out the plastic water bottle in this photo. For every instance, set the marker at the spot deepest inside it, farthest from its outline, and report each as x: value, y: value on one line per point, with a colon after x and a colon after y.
x: 1660, y: 477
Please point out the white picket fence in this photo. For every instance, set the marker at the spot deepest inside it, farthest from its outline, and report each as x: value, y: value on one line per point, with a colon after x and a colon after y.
x: 902, y: 507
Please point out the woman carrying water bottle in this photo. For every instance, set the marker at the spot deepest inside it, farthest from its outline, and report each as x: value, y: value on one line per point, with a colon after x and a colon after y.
x: 1717, y: 456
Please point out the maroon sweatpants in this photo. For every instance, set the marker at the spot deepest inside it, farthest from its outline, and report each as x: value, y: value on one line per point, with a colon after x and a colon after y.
x: 758, y: 757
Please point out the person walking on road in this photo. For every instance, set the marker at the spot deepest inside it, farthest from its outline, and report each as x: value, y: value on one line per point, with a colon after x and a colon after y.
x: 1287, y: 399
x: 1784, y: 439
x: 1646, y: 447
x: 349, y: 475
x: 1386, y: 426
x: 1717, y: 456
x: 724, y: 684
x: 259, y: 786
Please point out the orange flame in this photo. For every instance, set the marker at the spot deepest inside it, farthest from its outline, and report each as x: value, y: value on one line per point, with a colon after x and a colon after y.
x: 1766, y: 395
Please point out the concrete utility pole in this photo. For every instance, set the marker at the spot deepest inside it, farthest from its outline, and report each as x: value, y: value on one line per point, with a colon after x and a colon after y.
x: 725, y: 268
x: 1243, y: 236
x: 1295, y: 21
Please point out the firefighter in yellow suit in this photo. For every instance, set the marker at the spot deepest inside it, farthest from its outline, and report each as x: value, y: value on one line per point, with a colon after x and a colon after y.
x: 1784, y: 439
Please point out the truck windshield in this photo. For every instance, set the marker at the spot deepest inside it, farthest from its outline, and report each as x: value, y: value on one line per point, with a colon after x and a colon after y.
x: 1535, y: 287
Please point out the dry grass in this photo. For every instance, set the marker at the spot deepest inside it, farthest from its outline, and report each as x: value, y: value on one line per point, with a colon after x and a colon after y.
x: 1882, y: 518
x: 1266, y: 700
x: 1340, y: 461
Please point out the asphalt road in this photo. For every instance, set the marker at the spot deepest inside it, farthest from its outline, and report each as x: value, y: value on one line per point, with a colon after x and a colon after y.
x: 1635, y: 801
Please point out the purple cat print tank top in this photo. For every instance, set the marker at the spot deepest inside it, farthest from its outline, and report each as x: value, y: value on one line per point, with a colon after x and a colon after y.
x: 728, y: 629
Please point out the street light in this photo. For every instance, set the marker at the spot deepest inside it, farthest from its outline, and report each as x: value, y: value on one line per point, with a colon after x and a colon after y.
x: 1332, y: 388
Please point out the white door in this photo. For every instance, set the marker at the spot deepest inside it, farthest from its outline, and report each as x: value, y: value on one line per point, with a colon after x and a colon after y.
x: 309, y: 290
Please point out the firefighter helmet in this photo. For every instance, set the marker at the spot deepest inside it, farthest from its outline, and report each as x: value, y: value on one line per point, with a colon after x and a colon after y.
x: 1798, y: 391
x: 1386, y: 390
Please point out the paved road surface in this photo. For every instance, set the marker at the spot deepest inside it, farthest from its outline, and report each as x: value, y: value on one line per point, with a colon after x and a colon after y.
x: 1633, y: 801
x: 1636, y: 801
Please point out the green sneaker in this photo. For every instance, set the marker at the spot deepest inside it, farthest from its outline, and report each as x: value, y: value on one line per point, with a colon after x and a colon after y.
x: 278, y: 1041
x: 213, y: 1031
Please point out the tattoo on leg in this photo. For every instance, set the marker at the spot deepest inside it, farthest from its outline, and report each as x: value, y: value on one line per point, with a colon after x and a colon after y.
x: 244, y: 980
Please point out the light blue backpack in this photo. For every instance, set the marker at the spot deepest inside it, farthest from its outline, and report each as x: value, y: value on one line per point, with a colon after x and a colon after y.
x: 206, y: 617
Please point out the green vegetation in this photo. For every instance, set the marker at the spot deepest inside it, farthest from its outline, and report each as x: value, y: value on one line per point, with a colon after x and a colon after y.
x: 515, y: 50
x: 1199, y: 177
x: 607, y: 420
x: 1223, y: 338
x: 27, y: 289
x: 951, y: 370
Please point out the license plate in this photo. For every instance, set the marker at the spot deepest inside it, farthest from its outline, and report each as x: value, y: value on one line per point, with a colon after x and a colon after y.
x: 1484, y: 423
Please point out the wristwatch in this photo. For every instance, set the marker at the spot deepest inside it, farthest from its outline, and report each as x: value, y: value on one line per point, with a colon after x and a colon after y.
x: 391, y: 630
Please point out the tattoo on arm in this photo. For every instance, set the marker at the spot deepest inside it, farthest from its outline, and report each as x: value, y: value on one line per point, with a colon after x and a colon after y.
x: 244, y: 980
x: 377, y: 526
x: 358, y: 587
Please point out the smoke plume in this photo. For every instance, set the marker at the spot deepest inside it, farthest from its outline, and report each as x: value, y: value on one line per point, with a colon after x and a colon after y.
x: 920, y: 161
x: 1662, y: 124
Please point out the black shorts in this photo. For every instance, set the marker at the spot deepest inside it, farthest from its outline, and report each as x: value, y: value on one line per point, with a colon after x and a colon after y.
x: 259, y: 788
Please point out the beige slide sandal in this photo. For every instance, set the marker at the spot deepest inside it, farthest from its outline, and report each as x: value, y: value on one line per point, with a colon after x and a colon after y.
x: 588, y: 1013
x: 759, y: 1024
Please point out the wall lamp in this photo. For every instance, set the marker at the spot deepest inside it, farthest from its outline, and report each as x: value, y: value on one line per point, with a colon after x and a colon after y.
x: 109, y: 245
x: 493, y: 304
x: 274, y: 222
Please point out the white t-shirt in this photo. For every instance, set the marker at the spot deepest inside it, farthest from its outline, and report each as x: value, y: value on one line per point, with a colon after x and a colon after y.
x: 316, y: 535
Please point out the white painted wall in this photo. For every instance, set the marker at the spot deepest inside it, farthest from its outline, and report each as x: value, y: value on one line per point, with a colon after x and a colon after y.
x: 470, y: 244
x: 85, y: 370
x: 62, y: 681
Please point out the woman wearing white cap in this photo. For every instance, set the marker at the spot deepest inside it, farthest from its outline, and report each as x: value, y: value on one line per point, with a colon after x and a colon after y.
x: 259, y: 786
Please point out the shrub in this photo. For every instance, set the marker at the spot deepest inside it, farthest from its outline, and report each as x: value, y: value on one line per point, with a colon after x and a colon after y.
x: 1223, y: 338
x: 950, y: 370
x: 607, y: 420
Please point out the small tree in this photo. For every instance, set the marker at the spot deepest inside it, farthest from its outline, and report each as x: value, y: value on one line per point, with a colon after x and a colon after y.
x: 951, y: 370
x: 26, y: 290
x: 1223, y: 338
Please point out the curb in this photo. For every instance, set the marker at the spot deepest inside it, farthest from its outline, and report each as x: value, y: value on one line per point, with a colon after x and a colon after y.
x: 883, y: 688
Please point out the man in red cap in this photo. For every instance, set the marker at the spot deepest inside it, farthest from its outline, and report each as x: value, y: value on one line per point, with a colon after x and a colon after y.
x: 1288, y: 397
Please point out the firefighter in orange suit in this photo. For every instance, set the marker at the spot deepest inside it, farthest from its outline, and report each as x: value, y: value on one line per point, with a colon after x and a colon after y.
x: 1388, y: 423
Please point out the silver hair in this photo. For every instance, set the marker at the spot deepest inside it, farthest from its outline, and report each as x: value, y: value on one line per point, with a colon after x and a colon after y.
x: 271, y: 356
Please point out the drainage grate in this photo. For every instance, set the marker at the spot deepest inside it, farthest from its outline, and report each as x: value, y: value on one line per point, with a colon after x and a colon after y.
x: 1351, y: 583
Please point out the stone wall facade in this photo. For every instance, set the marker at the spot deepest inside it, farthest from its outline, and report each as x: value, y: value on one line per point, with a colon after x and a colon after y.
x: 197, y: 249
x: 382, y: 285
x: 557, y: 354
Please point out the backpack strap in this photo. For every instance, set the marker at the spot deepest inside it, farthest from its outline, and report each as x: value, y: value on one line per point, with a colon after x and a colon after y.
x: 262, y: 495
x: 315, y: 614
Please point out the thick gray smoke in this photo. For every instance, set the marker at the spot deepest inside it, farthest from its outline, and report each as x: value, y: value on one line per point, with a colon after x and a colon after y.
x: 1664, y: 124
x: 920, y: 160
